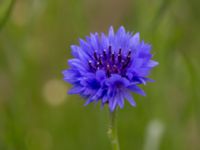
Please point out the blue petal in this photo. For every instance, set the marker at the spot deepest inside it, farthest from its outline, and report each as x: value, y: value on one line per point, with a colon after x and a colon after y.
x: 85, y: 46
x: 148, y: 79
x: 71, y: 76
x: 116, y: 82
x: 145, y: 47
x: 94, y: 41
x: 111, y: 35
x: 104, y: 99
x: 130, y: 99
x: 121, y: 32
x: 100, y: 75
x: 111, y: 32
x: 88, y: 101
x: 112, y: 104
x: 79, y: 53
x: 143, y: 72
x: 136, y: 89
x: 152, y: 63
x: 120, y: 100
x: 135, y: 40
x: 98, y: 94
x: 75, y: 90
x: 137, y: 62
x: 142, y: 81
x: 104, y: 41
x: 76, y: 63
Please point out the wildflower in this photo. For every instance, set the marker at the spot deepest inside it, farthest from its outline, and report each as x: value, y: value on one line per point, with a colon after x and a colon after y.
x: 108, y: 68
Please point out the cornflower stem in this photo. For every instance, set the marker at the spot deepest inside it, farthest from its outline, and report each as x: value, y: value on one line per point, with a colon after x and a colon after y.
x: 112, y: 130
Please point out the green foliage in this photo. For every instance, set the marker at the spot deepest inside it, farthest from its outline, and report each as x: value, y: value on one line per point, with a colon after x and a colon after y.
x: 5, y: 9
x: 37, y: 114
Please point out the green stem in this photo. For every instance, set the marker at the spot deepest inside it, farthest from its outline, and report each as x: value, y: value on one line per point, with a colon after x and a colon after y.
x: 112, y: 131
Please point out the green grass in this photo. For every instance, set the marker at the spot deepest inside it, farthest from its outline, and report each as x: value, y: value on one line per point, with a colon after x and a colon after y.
x: 35, y: 44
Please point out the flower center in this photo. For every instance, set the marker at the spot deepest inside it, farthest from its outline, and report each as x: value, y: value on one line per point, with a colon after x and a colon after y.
x: 110, y: 61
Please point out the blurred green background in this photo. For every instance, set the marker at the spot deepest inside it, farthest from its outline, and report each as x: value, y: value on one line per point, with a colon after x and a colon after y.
x: 37, y: 114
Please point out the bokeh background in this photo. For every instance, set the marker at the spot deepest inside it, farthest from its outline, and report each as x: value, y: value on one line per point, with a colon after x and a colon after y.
x: 37, y: 114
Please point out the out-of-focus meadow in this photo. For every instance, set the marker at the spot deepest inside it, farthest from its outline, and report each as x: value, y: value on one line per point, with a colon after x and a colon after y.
x: 37, y: 114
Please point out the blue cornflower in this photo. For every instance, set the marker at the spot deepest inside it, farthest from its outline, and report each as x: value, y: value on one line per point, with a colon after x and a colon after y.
x: 108, y: 68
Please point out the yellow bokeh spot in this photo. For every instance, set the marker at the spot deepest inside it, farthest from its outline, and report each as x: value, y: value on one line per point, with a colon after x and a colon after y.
x: 54, y: 92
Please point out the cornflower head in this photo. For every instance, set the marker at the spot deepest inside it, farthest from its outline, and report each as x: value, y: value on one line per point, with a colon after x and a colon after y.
x: 108, y: 68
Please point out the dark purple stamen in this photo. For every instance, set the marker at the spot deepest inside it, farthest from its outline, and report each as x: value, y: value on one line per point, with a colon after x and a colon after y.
x: 113, y: 57
x: 128, y: 58
x: 104, y: 53
x: 129, y: 54
x: 109, y: 50
x: 91, y: 66
x: 100, y: 59
x: 108, y: 70
x: 110, y: 61
x: 98, y: 65
x: 115, y: 69
x: 95, y: 55
x: 120, y: 55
